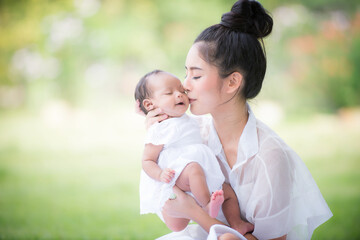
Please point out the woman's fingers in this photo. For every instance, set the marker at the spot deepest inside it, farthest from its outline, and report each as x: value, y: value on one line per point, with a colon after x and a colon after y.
x: 138, y: 109
x: 154, y: 116
x: 154, y: 112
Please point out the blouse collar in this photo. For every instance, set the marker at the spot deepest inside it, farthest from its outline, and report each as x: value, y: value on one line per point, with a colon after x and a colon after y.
x: 248, y: 145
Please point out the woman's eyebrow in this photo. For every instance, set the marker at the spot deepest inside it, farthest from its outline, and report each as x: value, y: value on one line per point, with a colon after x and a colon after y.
x: 193, y: 68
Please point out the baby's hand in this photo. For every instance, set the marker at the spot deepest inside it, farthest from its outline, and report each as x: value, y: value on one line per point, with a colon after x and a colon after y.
x: 167, y: 175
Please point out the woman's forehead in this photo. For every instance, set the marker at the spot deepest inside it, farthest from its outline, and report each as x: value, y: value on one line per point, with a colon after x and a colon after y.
x: 194, y: 59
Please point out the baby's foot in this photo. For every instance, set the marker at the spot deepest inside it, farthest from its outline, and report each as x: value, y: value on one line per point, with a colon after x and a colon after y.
x: 216, y: 200
x: 244, y: 227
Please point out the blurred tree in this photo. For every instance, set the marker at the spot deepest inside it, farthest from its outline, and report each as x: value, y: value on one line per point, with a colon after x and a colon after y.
x: 72, y: 49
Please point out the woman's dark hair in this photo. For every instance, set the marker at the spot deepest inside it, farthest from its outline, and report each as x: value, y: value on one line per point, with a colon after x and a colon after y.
x: 142, y: 91
x: 235, y: 44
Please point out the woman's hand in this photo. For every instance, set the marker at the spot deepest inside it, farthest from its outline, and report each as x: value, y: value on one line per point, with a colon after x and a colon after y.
x: 182, y: 206
x: 138, y: 109
x: 185, y: 206
x: 153, y: 116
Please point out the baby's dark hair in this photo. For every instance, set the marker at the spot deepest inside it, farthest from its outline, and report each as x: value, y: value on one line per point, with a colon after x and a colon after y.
x: 142, y: 91
x: 236, y: 44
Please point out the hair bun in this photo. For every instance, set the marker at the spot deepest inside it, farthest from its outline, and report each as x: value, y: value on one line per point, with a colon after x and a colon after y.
x: 248, y: 16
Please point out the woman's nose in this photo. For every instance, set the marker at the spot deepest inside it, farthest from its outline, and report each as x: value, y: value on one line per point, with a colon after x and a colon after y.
x: 186, y: 85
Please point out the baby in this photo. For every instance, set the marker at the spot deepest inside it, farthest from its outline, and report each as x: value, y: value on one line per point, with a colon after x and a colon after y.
x: 175, y: 155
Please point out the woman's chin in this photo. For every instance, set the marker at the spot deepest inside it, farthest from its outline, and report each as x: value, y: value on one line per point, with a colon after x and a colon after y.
x: 196, y: 111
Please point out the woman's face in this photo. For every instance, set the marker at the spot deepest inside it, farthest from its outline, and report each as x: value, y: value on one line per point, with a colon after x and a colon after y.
x: 202, y: 83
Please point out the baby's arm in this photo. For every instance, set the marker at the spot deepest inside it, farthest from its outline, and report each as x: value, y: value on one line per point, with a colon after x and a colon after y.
x: 150, y: 166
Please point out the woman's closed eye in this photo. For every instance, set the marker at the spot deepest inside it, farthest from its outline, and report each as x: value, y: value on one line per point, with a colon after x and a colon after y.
x: 197, y: 77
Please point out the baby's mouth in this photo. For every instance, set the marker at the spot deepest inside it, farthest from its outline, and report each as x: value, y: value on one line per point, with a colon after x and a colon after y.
x: 180, y: 103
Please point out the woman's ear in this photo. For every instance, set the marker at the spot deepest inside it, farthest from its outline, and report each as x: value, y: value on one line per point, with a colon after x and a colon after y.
x: 235, y: 81
x: 148, y: 104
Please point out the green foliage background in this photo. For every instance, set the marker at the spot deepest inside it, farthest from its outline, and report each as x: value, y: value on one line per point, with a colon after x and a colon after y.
x: 313, y: 52
x: 70, y: 144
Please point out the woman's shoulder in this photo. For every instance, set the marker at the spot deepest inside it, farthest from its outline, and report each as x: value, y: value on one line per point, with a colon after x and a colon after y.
x: 267, y: 136
x: 272, y: 148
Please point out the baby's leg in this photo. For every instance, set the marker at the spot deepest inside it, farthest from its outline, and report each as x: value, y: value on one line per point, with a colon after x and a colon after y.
x: 193, y: 179
x: 175, y: 224
x: 231, y: 211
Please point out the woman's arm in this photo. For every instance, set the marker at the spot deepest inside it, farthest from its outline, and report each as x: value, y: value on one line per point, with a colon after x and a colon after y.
x: 150, y: 166
x: 184, y: 206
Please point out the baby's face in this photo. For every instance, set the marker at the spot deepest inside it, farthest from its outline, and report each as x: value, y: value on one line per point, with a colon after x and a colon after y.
x: 168, y: 94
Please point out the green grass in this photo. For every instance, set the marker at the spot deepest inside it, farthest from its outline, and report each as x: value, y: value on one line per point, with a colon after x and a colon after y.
x: 330, y: 148
x: 77, y: 176
x: 73, y: 179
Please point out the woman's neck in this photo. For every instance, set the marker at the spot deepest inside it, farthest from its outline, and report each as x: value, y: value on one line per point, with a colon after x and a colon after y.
x: 230, y: 120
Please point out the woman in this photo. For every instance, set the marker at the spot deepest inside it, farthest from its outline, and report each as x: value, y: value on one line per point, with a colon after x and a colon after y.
x: 224, y: 68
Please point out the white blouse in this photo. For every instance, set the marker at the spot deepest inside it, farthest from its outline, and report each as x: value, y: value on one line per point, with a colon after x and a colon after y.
x: 275, y: 190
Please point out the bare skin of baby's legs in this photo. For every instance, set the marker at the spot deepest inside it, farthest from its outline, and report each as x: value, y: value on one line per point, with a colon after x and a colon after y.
x: 231, y: 211
x: 192, y: 179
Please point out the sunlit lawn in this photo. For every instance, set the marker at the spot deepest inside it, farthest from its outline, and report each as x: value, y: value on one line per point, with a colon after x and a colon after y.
x: 67, y: 174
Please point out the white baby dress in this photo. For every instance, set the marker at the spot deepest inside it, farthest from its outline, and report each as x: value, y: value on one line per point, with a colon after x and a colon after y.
x: 182, y: 145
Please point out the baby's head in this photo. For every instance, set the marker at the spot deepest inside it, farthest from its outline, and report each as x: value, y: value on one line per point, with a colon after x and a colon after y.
x: 164, y: 90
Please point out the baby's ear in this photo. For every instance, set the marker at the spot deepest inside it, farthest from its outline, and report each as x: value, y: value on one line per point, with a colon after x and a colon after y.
x: 148, y: 104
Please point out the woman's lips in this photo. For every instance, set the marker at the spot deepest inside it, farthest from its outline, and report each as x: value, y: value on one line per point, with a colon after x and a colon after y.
x: 191, y: 100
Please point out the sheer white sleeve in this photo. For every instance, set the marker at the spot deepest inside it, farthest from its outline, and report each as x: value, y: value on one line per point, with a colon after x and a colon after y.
x: 285, y: 198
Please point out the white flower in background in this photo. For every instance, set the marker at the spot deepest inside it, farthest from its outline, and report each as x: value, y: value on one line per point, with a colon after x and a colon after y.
x: 87, y: 8
x: 32, y: 65
x: 66, y: 29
